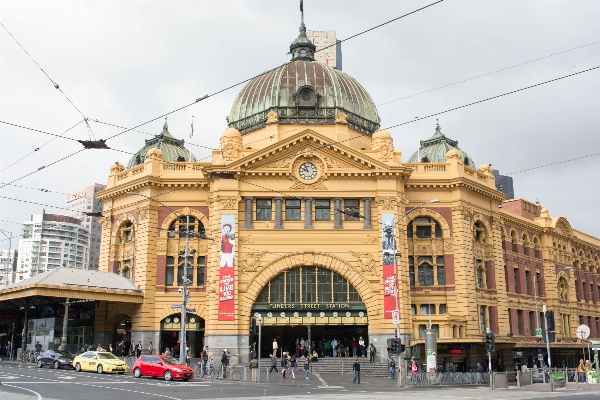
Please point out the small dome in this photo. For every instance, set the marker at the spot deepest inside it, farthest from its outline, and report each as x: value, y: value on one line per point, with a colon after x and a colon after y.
x: 381, y: 134
x: 437, y: 148
x: 172, y: 150
x: 231, y: 132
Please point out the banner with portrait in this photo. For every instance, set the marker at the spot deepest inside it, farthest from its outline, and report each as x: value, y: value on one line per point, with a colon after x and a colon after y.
x: 388, y: 248
x: 227, y: 268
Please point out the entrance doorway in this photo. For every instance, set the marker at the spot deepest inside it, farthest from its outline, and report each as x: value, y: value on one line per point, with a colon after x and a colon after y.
x: 171, y: 331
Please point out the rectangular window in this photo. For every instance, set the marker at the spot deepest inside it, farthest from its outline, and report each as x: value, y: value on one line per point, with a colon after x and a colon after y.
x: 483, y: 318
x: 436, y: 328
x: 200, y: 271
x: 322, y: 210
x: 527, y: 281
x: 422, y: 329
x: 425, y: 275
x: 427, y: 309
x: 443, y: 309
x: 277, y: 289
x: 584, y: 291
x: 480, y: 281
x: 292, y: 282
x: 423, y: 232
x: 292, y: 210
x: 520, y: 322
x: 169, y: 276
x: 532, y: 323
x: 516, y: 278
x: 352, y: 205
x: 413, y: 309
x: 411, y: 274
x: 340, y: 289
x: 263, y: 209
x: 441, y: 275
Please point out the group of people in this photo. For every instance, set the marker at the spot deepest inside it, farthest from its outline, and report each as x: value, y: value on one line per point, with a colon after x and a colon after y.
x: 288, y: 364
x: 582, y: 369
x: 346, y: 347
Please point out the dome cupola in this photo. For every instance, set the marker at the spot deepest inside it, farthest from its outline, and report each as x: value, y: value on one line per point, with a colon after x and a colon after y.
x: 434, y: 149
x: 173, y: 150
x: 304, y: 92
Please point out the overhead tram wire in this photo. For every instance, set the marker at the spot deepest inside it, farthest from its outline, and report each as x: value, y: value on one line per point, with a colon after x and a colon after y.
x: 488, y: 73
x: 32, y: 202
x: 56, y: 86
x: 41, y: 190
x: 551, y: 164
x: 266, y: 72
x: 38, y: 148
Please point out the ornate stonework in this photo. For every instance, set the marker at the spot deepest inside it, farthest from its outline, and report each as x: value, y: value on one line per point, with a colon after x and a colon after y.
x: 230, y: 146
x: 298, y: 185
x: 387, y: 203
x: 228, y: 203
x: 385, y: 148
x: 272, y: 117
x: 244, y: 239
x: 341, y: 118
x: 252, y: 261
x: 372, y: 239
x: 161, y: 246
x: 365, y: 261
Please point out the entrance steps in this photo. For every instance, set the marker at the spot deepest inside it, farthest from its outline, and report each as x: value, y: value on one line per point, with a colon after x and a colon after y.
x: 339, y: 365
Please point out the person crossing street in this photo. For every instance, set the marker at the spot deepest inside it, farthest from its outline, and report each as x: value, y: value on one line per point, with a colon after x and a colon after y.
x: 356, y: 369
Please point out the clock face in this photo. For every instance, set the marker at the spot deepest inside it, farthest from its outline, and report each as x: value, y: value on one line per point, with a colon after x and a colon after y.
x: 308, y: 171
x: 193, y: 320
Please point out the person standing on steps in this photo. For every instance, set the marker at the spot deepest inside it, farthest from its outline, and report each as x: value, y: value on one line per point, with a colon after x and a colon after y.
x: 275, y: 347
x: 150, y: 348
x: 334, y: 347
x: 306, y: 367
x: 273, y: 364
x: 356, y: 369
x: 372, y: 351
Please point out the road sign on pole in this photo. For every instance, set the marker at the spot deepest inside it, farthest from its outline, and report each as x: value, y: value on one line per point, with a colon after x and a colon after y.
x: 395, y: 317
x: 538, y: 332
x: 176, y: 306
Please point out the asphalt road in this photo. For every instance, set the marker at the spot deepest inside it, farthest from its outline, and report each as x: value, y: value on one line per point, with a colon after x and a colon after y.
x: 26, y: 381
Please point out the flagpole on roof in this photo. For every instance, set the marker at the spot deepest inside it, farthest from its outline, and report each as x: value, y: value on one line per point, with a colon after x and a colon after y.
x: 302, y: 12
x: 191, y: 135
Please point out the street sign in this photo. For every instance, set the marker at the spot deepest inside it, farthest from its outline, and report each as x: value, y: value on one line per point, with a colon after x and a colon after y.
x: 541, y: 357
x: 176, y: 306
x: 395, y: 317
x: 538, y: 332
x: 190, y: 309
x: 583, y: 331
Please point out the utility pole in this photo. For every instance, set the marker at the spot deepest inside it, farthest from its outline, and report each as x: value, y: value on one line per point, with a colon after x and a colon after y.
x: 547, y: 341
x: 259, y: 343
x: 182, y: 334
x: 63, y: 337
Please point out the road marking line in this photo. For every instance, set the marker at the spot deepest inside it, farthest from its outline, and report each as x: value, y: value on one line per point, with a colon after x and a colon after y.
x: 39, y: 396
x: 321, y: 379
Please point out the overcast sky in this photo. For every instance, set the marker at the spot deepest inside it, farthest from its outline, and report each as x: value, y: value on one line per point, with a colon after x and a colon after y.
x: 127, y: 62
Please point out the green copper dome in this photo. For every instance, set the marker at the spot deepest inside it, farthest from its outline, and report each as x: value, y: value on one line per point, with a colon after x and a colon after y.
x: 173, y: 149
x: 304, y: 92
x: 434, y: 149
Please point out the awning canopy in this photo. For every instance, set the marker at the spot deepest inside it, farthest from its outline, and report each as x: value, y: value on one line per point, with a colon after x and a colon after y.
x: 76, y: 284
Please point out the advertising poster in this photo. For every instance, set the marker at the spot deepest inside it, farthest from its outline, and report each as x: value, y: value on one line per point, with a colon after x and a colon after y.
x: 388, y: 247
x: 227, y: 268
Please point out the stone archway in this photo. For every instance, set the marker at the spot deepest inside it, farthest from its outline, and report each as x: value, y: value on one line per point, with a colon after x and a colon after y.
x: 362, y: 285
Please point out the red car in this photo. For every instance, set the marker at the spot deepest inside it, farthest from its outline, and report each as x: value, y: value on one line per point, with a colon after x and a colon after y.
x: 165, y: 366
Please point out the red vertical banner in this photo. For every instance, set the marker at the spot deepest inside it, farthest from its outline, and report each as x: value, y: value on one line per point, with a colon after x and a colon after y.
x: 227, y: 269
x: 388, y: 248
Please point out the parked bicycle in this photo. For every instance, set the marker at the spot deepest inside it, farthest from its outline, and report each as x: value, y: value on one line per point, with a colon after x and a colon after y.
x: 225, y: 373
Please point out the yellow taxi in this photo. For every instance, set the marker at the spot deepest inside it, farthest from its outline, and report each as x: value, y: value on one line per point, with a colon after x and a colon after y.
x: 100, y: 362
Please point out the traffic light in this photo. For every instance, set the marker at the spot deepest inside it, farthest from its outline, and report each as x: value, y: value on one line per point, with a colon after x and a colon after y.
x: 253, y: 326
x: 551, y: 337
x: 394, y: 346
x: 490, y: 342
x: 550, y: 320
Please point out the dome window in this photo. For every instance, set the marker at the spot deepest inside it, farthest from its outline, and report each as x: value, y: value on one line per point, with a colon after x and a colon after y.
x: 180, y: 159
x: 307, y: 96
x: 425, y: 159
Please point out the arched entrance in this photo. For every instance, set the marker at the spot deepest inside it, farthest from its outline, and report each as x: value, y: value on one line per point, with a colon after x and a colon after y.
x: 170, y: 330
x: 315, y: 299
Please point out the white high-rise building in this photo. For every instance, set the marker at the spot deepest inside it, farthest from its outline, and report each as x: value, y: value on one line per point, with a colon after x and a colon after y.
x: 8, y: 261
x: 329, y: 49
x: 51, y: 241
x: 84, y: 201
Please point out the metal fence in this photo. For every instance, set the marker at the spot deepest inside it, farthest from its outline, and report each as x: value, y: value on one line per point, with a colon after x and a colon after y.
x: 446, y: 378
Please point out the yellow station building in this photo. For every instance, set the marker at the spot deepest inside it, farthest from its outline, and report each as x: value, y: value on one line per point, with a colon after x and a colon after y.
x: 304, y: 142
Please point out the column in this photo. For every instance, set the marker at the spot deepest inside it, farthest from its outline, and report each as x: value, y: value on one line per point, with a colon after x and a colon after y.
x: 248, y: 214
x: 337, y: 216
x: 63, y: 337
x: 278, y: 213
x: 367, y: 213
x: 308, y: 213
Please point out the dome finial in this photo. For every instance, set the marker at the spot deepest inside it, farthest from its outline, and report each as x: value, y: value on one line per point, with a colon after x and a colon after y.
x: 302, y: 48
x: 438, y: 129
x: 165, y: 126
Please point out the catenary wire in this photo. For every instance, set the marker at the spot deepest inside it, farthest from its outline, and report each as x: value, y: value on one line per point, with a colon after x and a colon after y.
x: 51, y: 80
x: 488, y: 73
x: 32, y: 202
x: 38, y: 148
x: 261, y: 74
x: 491, y: 98
x: 12, y: 222
x: 380, y: 25
x: 27, y: 187
x: 556, y: 163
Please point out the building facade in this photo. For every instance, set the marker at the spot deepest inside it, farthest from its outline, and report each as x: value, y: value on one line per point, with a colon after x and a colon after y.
x: 329, y: 48
x: 51, y: 241
x: 504, y: 184
x: 298, y: 216
x: 84, y: 201
x: 8, y: 264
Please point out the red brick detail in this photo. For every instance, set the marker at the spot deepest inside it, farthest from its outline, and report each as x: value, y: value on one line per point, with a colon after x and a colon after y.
x: 113, y: 266
x: 491, y: 274
x: 161, y: 269
x: 446, y: 213
x: 514, y: 323
x: 522, y: 208
x: 494, y: 319
x: 449, y: 267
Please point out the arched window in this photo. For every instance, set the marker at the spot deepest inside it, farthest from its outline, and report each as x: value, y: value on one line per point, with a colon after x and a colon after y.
x: 180, y: 225
x: 126, y: 232
x: 513, y: 236
x: 425, y: 273
x: 563, y: 289
x: 308, y: 285
x: 424, y: 228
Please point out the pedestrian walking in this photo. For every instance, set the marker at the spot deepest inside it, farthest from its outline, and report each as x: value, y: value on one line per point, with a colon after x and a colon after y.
x: 306, y: 367
x: 253, y: 367
x: 479, y: 371
x: 284, y: 364
x: 356, y: 369
x: 293, y: 365
x: 273, y: 364
x: 392, y: 367
x: 414, y: 369
x: 354, y: 345
x: 150, y: 348
x: 361, y: 347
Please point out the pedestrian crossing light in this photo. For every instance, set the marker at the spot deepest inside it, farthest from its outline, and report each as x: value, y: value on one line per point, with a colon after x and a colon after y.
x: 490, y: 342
x: 394, y: 346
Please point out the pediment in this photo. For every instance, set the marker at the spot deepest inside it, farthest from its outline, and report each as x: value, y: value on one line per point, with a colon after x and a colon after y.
x: 335, y: 156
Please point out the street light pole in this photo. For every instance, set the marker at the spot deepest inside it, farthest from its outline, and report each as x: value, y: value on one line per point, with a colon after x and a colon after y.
x: 9, y: 258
